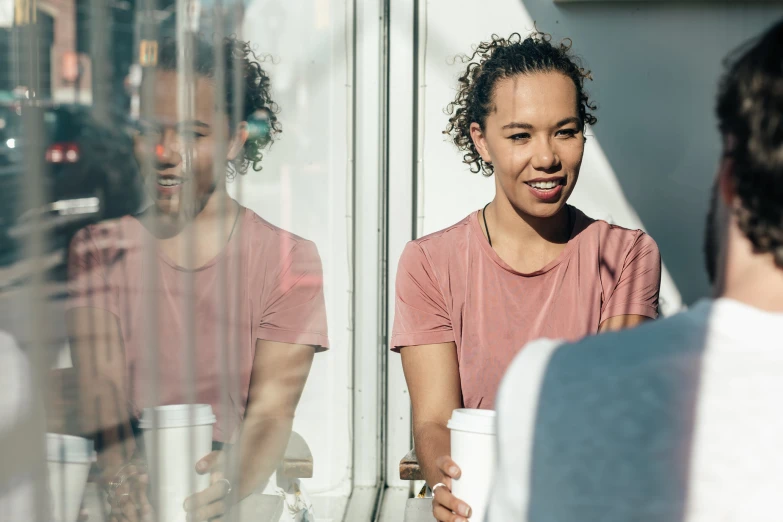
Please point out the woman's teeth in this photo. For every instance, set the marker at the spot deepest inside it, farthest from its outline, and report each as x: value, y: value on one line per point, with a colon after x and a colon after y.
x: 544, y: 185
x: 169, y: 182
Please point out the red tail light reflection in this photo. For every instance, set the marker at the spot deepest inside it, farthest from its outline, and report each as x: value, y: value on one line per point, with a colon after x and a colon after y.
x: 62, y: 153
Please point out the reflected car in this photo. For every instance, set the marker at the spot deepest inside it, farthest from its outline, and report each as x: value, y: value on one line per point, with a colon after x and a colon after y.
x: 88, y: 174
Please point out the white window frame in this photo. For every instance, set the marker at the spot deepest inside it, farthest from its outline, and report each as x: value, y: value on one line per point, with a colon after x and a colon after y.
x: 368, y: 222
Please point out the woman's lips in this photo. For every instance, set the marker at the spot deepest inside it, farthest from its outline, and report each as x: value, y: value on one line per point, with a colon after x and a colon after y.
x: 546, y: 194
x: 168, y: 185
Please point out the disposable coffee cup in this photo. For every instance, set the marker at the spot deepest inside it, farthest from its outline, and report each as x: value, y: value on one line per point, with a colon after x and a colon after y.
x: 69, y: 461
x: 175, y: 438
x: 473, y: 449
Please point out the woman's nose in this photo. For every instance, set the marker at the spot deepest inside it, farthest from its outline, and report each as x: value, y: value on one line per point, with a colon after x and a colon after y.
x: 544, y: 157
x: 167, y: 151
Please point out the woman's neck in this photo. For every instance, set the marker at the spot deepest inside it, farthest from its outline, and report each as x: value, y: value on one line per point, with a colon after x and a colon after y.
x: 505, y: 221
x: 218, y: 207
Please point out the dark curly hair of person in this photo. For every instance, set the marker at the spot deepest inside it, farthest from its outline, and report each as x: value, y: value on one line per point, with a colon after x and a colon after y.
x: 502, y: 58
x: 750, y: 115
x: 251, y: 96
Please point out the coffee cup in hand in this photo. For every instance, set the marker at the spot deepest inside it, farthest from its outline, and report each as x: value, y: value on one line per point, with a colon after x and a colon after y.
x: 69, y: 461
x: 175, y: 438
x: 474, y: 449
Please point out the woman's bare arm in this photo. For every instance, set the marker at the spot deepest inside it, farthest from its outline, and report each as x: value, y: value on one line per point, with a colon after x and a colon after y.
x: 98, y: 358
x: 432, y: 374
x: 621, y: 322
x: 278, y: 378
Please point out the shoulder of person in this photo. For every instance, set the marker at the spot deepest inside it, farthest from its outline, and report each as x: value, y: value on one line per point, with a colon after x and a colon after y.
x: 279, y: 246
x: 612, y: 236
x: 108, y: 238
x: 597, y: 357
x: 443, y: 242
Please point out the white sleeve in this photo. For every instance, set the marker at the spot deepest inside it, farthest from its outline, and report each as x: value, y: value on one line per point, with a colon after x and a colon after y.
x: 516, y: 405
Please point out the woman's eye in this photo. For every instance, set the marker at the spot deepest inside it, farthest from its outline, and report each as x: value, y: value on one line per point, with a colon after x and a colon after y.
x: 567, y: 133
x: 520, y: 136
x: 147, y: 130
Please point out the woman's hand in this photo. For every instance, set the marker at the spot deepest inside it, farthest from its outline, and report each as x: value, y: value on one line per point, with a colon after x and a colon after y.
x: 128, y: 495
x: 445, y: 506
x: 212, y: 503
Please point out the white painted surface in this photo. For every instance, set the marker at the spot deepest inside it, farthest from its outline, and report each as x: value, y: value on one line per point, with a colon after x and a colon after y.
x: 304, y: 187
x: 401, y: 176
x: 369, y: 349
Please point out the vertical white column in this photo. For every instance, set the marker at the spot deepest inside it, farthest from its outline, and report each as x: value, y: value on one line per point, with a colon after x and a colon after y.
x: 402, y: 162
x: 367, y: 76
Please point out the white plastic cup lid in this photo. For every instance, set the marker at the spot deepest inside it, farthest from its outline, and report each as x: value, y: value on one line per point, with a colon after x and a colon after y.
x: 473, y: 421
x: 177, y: 416
x: 67, y: 448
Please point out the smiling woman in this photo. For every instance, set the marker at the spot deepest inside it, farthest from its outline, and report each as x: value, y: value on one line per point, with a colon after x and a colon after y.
x: 527, y: 265
x: 244, y: 349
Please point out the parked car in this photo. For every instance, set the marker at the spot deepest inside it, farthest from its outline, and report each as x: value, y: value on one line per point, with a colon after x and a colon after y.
x: 88, y: 174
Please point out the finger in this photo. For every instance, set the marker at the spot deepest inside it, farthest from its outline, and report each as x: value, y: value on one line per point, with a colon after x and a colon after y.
x: 216, y: 476
x: 444, y: 497
x: 207, y: 463
x: 214, y: 492
x: 442, y: 514
x: 448, y: 467
x: 128, y: 509
x: 205, y: 513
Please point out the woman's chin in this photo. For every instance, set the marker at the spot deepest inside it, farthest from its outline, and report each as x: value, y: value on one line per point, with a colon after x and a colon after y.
x: 540, y: 210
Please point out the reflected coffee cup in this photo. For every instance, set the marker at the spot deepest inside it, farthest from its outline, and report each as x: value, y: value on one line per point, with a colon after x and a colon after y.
x: 69, y: 461
x: 175, y: 438
x: 474, y: 449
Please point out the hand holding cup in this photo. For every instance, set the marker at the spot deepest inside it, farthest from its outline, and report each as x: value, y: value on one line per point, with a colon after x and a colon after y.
x: 213, y: 502
x: 445, y: 506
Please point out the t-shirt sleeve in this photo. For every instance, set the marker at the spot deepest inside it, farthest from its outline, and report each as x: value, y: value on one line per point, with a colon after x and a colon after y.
x: 88, y: 281
x: 420, y: 312
x: 295, y: 307
x: 639, y: 283
x: 517, y: 407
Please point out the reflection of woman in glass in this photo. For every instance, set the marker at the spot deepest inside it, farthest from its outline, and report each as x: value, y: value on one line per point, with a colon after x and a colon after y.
x: 252, y: 348
x: 525, y: 266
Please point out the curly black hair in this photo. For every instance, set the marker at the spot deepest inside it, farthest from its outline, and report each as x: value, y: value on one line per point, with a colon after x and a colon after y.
x: 502, y: 58
x: 252, y: 96
x: 750, y: 115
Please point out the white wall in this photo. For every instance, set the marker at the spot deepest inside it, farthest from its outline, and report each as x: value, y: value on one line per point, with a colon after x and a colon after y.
x: 303, y: 188
x: 655, y: 67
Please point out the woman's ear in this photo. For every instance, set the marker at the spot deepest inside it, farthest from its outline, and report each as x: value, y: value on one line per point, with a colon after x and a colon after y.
x: 238, y: 141
x: 480, y: 141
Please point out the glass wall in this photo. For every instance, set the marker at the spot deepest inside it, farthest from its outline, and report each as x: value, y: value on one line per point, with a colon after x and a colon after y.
x: 179, y: 229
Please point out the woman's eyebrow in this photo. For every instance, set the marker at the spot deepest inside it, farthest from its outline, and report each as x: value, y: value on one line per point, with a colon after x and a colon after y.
x: 528, y: 126
x: 193, y: 123
x: 518, y: 125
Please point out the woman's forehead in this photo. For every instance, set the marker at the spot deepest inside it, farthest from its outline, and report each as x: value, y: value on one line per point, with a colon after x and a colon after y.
x: 166, y: 94
x: 549, y: 95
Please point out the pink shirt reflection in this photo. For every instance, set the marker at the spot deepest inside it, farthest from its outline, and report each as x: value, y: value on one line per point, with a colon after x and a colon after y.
x: 273, y: 291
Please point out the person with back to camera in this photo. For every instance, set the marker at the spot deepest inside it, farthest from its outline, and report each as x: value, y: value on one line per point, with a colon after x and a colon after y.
x: 525, y: 266
x: 676, y: 421
x: 275, y: 311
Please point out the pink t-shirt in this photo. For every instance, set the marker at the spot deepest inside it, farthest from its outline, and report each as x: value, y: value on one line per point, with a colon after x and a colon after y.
x: 452, y: 286
x: 277, y: 295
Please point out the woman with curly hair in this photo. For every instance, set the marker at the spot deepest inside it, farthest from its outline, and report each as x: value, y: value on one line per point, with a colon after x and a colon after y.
x: 527, y: 265
x: 254, y: 345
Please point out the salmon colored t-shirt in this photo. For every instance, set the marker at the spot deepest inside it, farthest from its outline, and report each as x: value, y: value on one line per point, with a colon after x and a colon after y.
x: 274, y: 291
x: 452, y: 286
